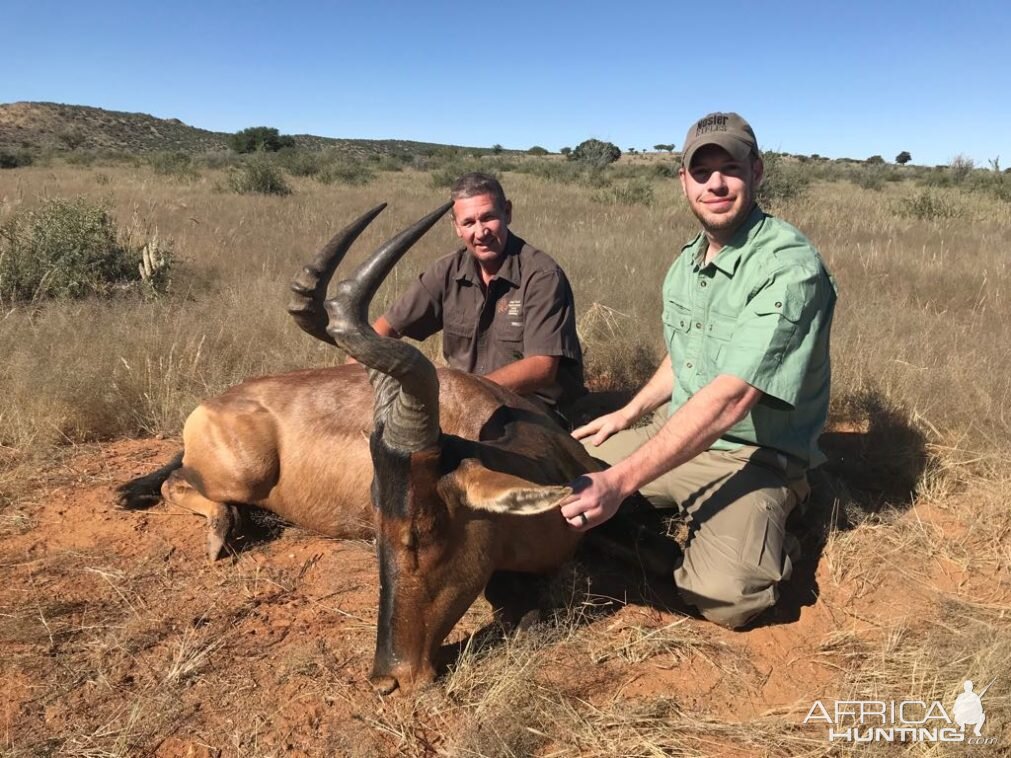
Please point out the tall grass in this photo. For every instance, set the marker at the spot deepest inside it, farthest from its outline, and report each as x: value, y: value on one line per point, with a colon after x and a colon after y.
x: 922, y: 313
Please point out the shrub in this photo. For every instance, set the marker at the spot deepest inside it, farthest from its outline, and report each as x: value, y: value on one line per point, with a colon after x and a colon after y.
x: 903, y: 158
x: 258, y: 176
x: 961, y: 167
x: 346, y: 172
x: 537, y: 150
x: 177, y: 164
x: 393, y: 162
x: 875, y: 160
x: 301, y: 163
x: 927, y: 206
x: 552, y: 171
x: 15, y: 158
x: 259, y: 139
x: 72, y: 249
x: 871, y: 178
x: 595, y: 152
x: 636, y: 192
x: 783, y: 181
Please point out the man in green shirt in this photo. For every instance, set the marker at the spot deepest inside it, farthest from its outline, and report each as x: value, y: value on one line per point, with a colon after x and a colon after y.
x: 742, y: 394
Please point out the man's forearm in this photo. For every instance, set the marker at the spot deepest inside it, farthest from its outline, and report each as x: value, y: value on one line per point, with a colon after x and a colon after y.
x: 691, y: 430
x: 655, y: 392
x: 527, y: 375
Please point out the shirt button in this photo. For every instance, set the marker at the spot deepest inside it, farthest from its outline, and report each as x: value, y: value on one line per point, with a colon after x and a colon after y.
x: 698, y: 324
x: 688, y: 365
x: 702, y: 283
x: 779, y: 305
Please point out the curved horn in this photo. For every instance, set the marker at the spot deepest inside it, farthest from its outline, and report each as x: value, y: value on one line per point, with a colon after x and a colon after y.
x: 412, y: 422
x: 310, y: 284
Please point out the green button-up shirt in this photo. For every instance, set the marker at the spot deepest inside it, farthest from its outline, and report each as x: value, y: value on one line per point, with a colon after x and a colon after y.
x: 761, y: 310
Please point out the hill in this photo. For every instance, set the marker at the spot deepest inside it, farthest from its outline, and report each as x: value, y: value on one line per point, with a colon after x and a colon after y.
x: 54, y: 126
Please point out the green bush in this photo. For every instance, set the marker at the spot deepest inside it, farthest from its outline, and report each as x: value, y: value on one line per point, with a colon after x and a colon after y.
x: 595, y: 152
x: 259, y: 139
x: 176, y: 164
x: 928, y: 206
x: 783, y: 181
x: 636, y: 192
x: 258, y: 177
x: 537, y: 150
x: 72, y: 249
x: 345, y: 172
x: 301, y: 162
x: 15, y: 158
x: 552, y: 171
x: 871, y: 178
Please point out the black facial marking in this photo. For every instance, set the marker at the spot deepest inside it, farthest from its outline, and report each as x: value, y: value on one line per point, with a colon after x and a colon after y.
x: 391, y: 476
x: 385, y: 655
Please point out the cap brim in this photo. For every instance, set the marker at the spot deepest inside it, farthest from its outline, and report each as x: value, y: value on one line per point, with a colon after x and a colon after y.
x: 738, y: 148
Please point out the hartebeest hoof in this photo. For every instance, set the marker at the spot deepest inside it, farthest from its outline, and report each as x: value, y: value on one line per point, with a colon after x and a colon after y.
x: 384, y: 685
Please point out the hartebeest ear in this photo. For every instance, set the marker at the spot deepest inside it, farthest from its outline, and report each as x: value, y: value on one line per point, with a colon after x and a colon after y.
x: 474, y: 486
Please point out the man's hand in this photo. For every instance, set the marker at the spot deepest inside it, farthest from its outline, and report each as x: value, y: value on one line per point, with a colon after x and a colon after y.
x: 604, y: 426
x: 594, y: 499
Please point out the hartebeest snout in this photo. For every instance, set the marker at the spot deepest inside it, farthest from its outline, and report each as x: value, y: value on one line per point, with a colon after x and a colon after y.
x: 465, y: 475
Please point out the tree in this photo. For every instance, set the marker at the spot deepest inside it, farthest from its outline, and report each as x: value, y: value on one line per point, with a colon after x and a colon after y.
x: 566, y: 151
x: 259, y: 139
x: 537, y: 150
x: 669, y: 147
x: 595, y: 153
x: 875, y: 160
x: 903, y: 158
x: 496, y: 148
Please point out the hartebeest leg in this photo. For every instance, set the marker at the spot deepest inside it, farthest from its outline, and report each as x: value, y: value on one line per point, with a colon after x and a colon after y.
x: 221, y: 518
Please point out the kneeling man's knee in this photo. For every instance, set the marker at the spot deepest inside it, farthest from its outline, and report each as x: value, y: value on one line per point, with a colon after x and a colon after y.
x: 735, y: 598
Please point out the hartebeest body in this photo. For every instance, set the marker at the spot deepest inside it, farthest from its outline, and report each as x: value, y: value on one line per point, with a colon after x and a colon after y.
x: 464, y: 474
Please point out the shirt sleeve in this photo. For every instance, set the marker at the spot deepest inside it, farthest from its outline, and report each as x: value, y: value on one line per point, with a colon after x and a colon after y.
x: 777, y: 333
x: 549, y: 317
x: 418, y: 312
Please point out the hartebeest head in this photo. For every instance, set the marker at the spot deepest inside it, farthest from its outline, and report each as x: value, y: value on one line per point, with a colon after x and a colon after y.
x: 435, y: 509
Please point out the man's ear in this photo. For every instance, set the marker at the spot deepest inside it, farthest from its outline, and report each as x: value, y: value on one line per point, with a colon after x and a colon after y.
x: 684, y: 186
x: 508, y: 212
x: 456, y: 227
x: 474, y: 486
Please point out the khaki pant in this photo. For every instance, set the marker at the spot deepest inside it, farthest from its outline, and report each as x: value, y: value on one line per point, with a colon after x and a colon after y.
x: 736, y: 504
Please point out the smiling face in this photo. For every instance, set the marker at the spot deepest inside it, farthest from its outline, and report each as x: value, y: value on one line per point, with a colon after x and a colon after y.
x: 721, y: 189
x: 483, y: 225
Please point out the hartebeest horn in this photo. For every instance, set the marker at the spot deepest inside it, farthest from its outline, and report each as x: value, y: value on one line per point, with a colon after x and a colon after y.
x: 310, y: 285
x: 412, y: 420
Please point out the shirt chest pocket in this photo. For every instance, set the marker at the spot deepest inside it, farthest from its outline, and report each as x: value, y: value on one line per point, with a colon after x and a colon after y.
x: 717, y: 332
x: 458, y: 328
x: 677, y: 324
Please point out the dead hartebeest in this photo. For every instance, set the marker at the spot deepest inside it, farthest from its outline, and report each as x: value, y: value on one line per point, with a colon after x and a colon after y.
x: 465, y: 475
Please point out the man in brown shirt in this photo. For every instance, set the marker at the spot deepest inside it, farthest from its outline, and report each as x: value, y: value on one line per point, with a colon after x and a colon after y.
x: 505, y: 308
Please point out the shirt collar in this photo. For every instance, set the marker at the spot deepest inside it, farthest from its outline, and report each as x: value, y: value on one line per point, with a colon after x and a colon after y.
x: 730, y: 255
x: 509, y: 271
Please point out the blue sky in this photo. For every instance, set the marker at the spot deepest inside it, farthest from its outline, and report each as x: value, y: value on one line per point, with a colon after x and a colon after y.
x: 849, y: 79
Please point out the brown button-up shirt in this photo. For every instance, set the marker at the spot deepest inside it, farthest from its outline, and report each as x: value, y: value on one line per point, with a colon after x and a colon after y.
x: 527, y: 309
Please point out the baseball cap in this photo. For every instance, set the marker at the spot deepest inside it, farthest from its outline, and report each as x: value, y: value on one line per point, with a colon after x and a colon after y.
x: 728, y: 130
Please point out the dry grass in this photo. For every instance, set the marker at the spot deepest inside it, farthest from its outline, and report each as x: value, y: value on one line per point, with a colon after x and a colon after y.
x: 915, y: 555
